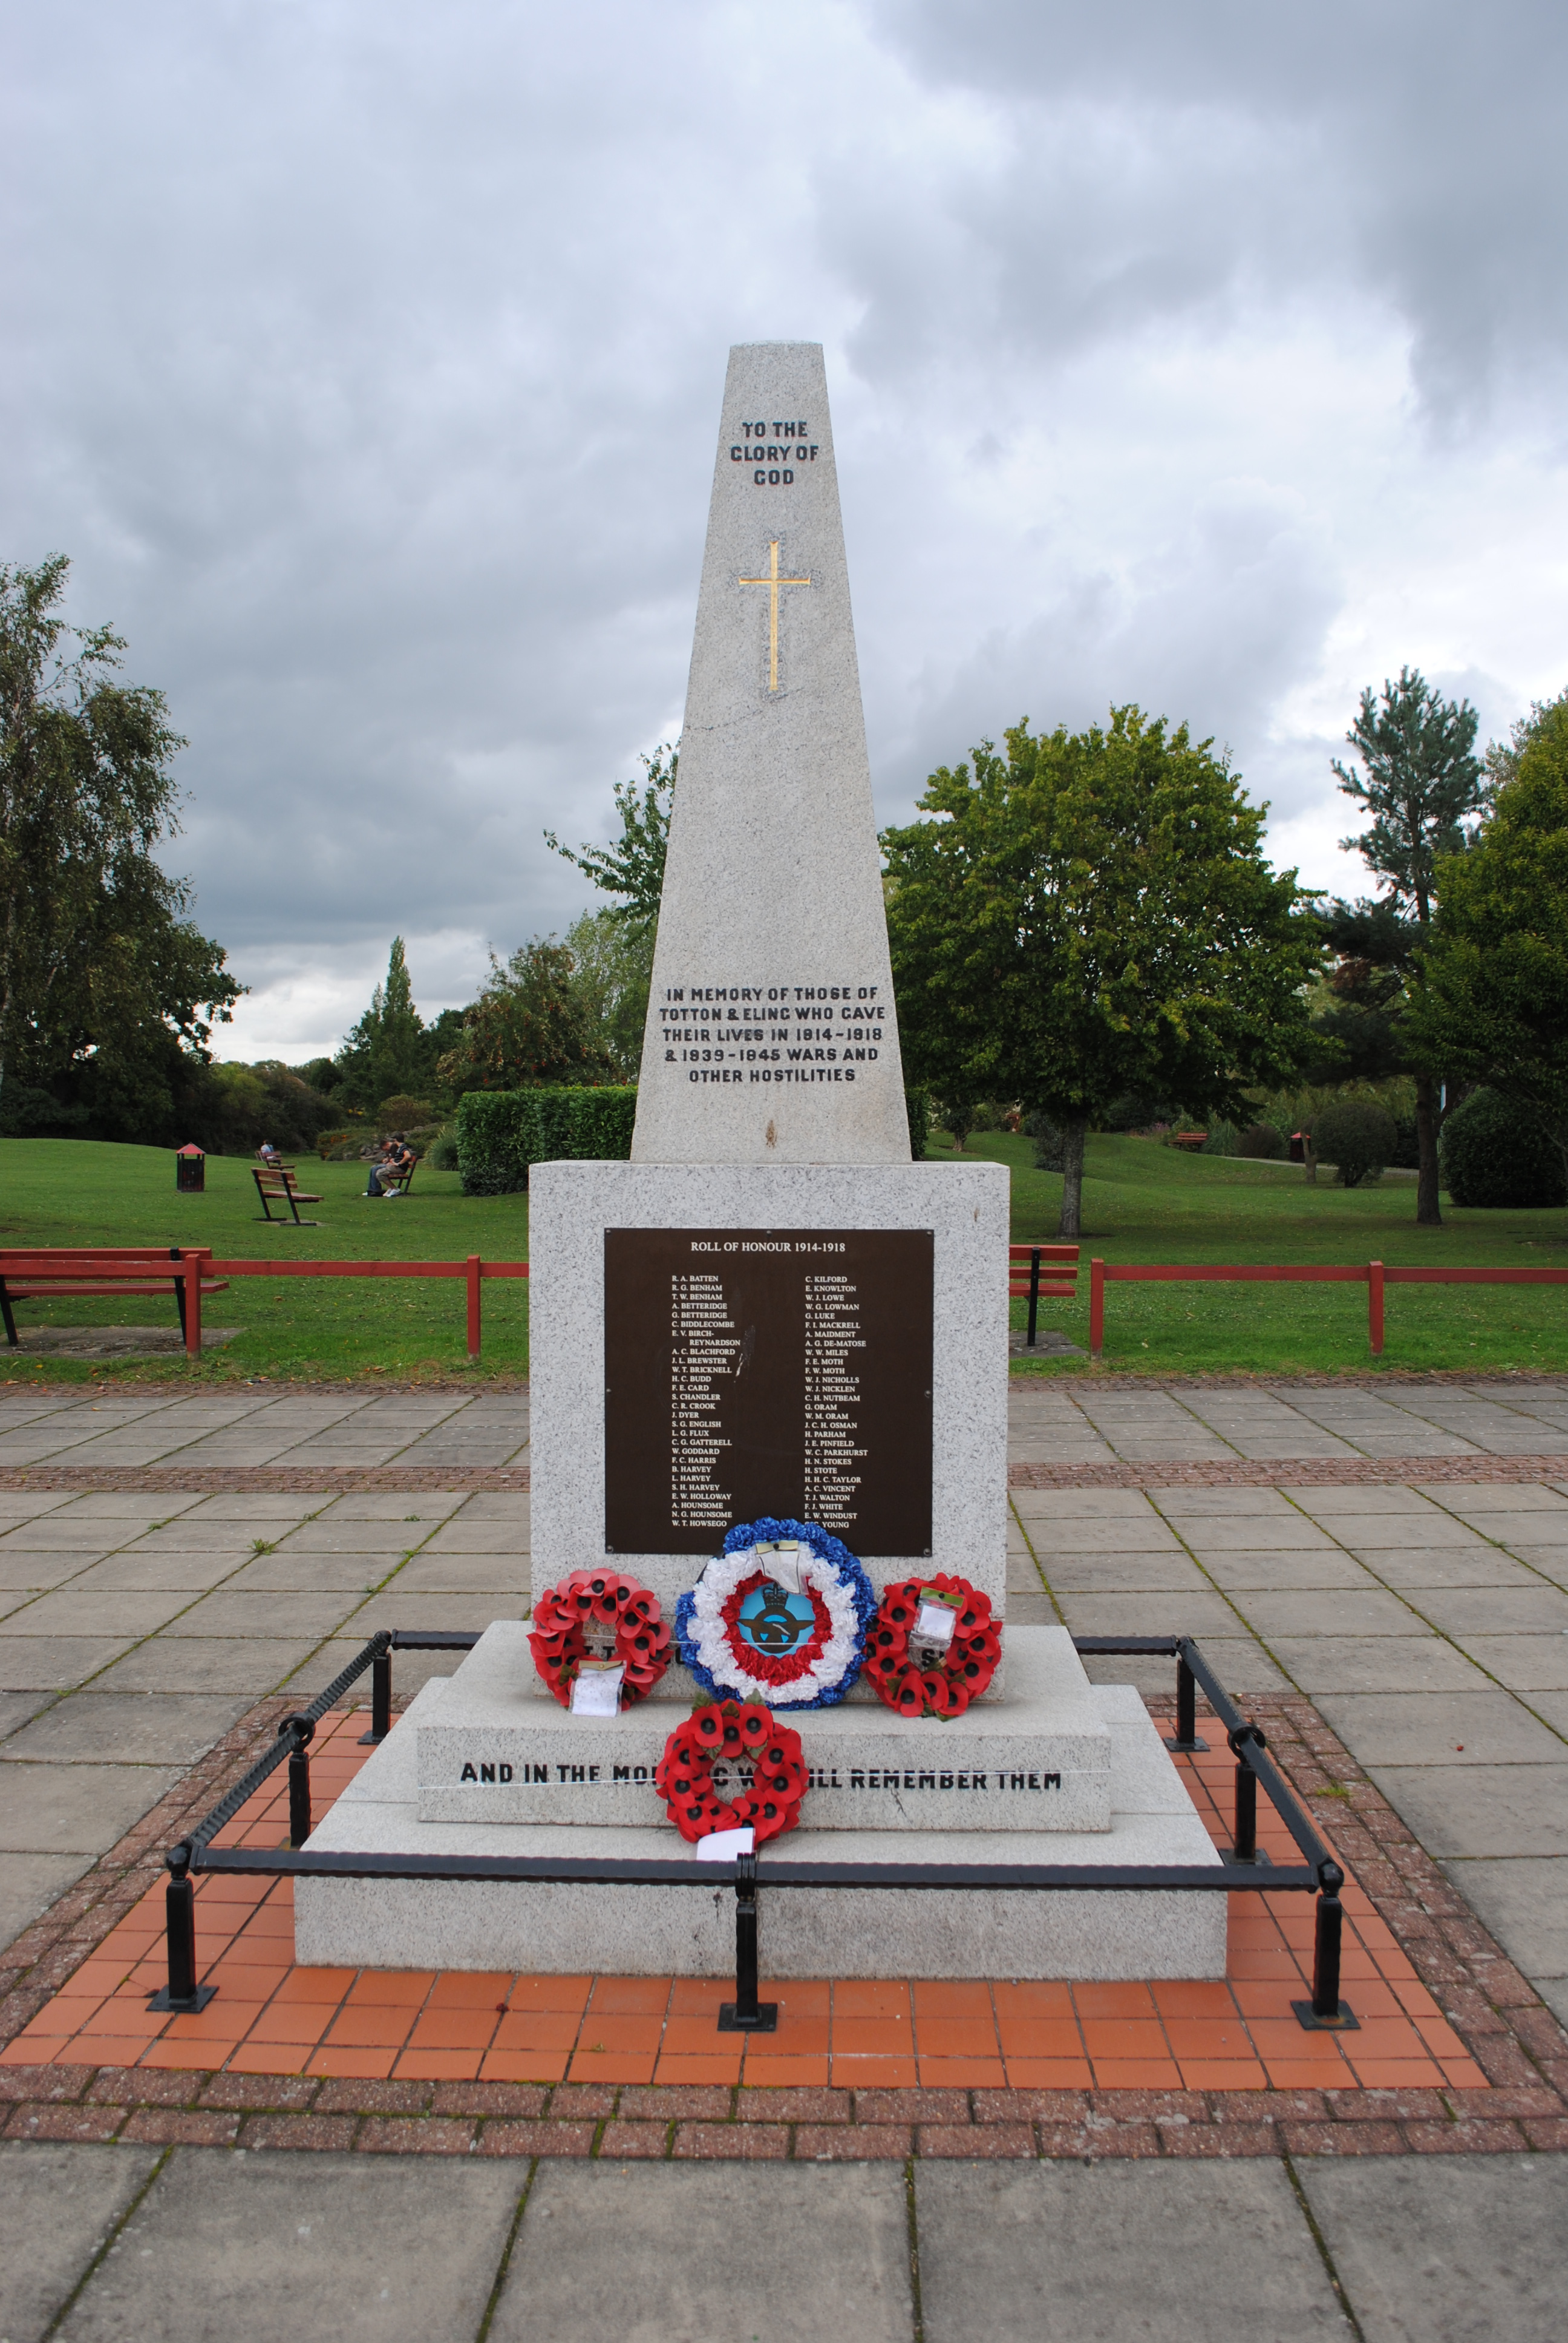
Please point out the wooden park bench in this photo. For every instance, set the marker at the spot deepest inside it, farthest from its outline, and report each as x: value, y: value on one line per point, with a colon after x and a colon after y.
x: 280, y: 1186
x: 1041, y: 1271
x: 42, y: 1274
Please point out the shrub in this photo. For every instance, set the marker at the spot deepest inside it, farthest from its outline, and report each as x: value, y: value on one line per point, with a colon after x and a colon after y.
x: 443, y: 1156
x: 400, y: 1113
x: 1263, y: 1141
x: 917, y: 1106
x: 1223, y: 1139
x: 1047, y: 1143
x: 1496, y: 1155
x: 501, y: 1133
x: 1355, y: 1135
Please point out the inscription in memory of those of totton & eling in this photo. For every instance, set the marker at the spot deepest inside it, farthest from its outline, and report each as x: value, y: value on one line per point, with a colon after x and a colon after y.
x: 772, y: 1032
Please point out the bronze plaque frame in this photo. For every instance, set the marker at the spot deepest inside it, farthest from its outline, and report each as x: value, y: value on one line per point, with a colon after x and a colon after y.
x: 768, y: 1371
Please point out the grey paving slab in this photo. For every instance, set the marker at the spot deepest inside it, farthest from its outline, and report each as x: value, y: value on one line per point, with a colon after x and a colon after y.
x: 129, y: 1727
x: 1125, y: 1573
x: 1482, y: 1810
x: 475, y: 1573
x: 290, y: 1572
x: 1551, y: 1707
x: 646, y: 2253
x: 1484, y: 1498
x: 224, y: 1614
x: 1357, y: 1497
x: 55, y: 1662
x: 1523, y: 1900
x: 1140, y: 1614
x: 1447, y: 2249
x: 91, y: 1505
x: 1388, y: 1531
x: 1328, y: 1610
x: 29, y: 1884
x: 1523, y: 1663
x: 1336, y: 1664
x: 1549, y: 1561
x: 74, y: 1809
x: 142, y: 1570
x: 255, y: 1664
x: 1496, y: 1610
x: 1415, y: 1567
x: 73, y: 1534
x: 1320, y: 1566
x: 1033, y: 1608
x: 1464, y: 1728
x: 393, y: 1539
x: 465, y: 1536
x: 1100, y: 2253
x: 1185, y: 1505
x: 1076, y: 1504
x: 17, y: 1707
x: 58, y: 2202
x: 104, y: 1611
x: 1284, y: 1533
x: 372, y: 2249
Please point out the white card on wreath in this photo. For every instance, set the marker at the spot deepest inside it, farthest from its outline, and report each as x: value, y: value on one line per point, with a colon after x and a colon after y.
x: 723, y: 1846
x: 596, y: 1691
x: 934, y: 1624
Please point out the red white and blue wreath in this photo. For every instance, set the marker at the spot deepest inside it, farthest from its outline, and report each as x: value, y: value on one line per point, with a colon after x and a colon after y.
x: 779, y: 1616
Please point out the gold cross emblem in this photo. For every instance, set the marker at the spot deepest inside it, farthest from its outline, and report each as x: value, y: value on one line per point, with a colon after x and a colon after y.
x: 773, y: 582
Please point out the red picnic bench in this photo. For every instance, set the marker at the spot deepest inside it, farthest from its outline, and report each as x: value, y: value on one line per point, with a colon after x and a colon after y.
x: 42, y: 1273
x: 1036, y: 1272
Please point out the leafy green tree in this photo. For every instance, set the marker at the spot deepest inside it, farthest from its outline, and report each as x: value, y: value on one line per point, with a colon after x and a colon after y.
x: 1422, y: 782
x: 1092, y: 914
x: 633, y: 867
x: 387, y: 1052
x: 1494, y: 1003
x: 531, y: 1023
x: 613, y: 972
x: 106, y: 989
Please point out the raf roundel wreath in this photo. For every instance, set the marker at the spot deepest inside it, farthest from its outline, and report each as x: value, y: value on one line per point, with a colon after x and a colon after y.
x: 781, y: 1617
x: 731, y: 1734
x: 600, y: 1604
x: 920, y: 1679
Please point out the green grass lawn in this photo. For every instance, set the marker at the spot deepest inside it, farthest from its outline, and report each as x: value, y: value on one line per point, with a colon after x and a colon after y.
x: 1142, y: 1203
x: 61, y: 1192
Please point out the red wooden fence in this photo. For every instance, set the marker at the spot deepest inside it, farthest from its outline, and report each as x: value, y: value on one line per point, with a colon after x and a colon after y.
x: 1373, y: 1274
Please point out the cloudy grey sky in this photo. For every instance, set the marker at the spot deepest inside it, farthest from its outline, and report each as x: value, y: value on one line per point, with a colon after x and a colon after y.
x: 365, y: 357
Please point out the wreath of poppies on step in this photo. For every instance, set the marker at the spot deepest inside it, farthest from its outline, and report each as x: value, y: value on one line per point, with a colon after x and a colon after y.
x: 696, y: 1766
x: 779, y: 1616
x: 920, y: 1678
x: 563, y: 1619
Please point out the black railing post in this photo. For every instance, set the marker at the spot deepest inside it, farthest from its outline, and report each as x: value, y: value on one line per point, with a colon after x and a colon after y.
x: 1186, y: 1736
x: 1245, y: 1848
x: 380, y: 1693
x: 1326, y: 2010
x: 303, y: 1733
x: 746, y: 2014
x: 1033, y: 1293
x: 182, y: 1991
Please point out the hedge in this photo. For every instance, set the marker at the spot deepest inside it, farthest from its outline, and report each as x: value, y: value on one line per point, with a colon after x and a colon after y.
x: 501, y: 1132
x: 1497, y: 1156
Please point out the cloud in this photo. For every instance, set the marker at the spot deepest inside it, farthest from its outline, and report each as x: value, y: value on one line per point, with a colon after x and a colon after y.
x: 368, y: 359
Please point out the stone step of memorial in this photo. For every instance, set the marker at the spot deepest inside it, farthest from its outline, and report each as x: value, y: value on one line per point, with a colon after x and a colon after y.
x: 500, y: 1748
x: 651, y: 1930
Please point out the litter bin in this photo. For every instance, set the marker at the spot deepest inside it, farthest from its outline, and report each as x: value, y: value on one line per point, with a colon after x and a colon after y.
x: 190, y: 1171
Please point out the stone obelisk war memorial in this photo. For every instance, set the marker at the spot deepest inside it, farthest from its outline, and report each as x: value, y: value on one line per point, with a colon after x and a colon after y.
x: 771, y: 1315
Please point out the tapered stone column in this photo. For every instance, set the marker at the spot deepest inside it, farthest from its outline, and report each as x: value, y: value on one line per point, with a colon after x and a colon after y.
x: 771, y: 1037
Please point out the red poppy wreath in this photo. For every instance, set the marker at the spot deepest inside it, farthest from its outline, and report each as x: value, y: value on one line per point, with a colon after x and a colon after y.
x: 707, y: 1753
x: 934, y: 1646
x: 613, y: 1613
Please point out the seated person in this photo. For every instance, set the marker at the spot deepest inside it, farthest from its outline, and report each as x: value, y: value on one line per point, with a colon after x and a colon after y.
x: 268, y: 1153
x: 396, y: 1158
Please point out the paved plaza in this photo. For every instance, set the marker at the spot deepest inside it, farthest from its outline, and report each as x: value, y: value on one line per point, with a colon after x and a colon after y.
x: 1426, y: 1618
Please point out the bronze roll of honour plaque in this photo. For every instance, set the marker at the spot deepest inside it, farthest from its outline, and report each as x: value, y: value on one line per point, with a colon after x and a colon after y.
x: 768, y: 1371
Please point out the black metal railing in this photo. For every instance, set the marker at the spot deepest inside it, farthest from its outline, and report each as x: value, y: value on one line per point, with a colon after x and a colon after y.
x: 1243, y: 1867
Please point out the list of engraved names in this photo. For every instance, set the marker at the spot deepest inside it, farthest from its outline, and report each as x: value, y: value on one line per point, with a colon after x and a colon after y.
x: 767, y: 1371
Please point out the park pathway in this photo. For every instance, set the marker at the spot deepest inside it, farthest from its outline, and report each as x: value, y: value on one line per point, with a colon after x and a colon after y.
x: 1400, y: 1555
